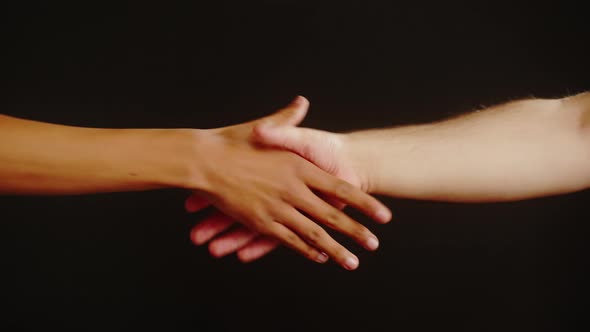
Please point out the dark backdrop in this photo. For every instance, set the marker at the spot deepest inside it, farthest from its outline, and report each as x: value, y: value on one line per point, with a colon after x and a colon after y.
x: 123, y: 262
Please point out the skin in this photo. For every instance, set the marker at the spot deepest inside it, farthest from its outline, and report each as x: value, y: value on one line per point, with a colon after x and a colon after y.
x: 519, y: 150
x: 270, y: 192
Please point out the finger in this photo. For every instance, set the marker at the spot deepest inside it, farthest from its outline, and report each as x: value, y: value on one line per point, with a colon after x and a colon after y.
x: 194, y: 203
x: 335, y: 219
x: 293, y: 241
x: 258, y: 248
x: 318, y: 238
x: 231, y: 242
x: 314, y: 145
x: 282, y: 137
x: 291, y: 115
x: 348, y: 194
x: 311, y: 144
x: 333, y: 201
x: 210, y: 227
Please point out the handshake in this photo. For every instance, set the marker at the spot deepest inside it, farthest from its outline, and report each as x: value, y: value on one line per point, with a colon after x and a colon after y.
x: 519, y: 150
x: 281, y: 197
x: 283, y: 183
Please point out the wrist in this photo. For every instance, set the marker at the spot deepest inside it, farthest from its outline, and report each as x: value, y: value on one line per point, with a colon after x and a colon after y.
x: 355, y: 153
x: 154, y: 158
x: 190, y: 155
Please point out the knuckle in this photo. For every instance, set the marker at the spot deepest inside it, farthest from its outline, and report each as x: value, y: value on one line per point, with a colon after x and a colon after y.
x: 314, y: 236
x: 361, y: 232
x: 291, y: 238
x: 290, y: 191
x: 263, y: 227
x: 333, y: 218
x: 343, y: 189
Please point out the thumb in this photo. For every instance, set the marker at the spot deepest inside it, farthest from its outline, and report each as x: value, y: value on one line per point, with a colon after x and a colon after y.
x: 314, y: 145
x: 291, y: 115
x: 302, y: 141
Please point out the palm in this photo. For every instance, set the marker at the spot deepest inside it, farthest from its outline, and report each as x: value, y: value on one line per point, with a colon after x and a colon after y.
x: 323, y: 149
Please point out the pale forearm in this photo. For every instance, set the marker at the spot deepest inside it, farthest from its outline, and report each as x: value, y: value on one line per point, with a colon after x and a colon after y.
x: 42, y: 158
x: 514, y: 151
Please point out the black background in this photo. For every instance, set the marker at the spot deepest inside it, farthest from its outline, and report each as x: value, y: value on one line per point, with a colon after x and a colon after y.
x: 122, y: 262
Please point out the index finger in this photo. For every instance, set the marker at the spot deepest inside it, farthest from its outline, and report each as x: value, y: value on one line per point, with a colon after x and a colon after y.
x: 348, y: 194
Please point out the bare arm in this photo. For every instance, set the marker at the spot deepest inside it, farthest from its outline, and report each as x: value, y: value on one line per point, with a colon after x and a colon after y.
x: 271, y: 192
x: 44, y: 158
x: 518, y: 150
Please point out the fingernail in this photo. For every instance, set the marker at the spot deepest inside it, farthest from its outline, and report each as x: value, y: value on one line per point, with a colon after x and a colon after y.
x: 297, y: 101
x: 200, y: 238
x: 351, y: 263
x: 322, y: 258
x: 383, y: 215
x: 372, y: 243
x: 197, y: 239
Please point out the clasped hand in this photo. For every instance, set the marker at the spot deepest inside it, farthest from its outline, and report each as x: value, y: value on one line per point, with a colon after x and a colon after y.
x: 279, y: 196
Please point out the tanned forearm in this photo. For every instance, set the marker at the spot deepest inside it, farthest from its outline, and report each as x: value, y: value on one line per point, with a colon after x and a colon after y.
x: 266, y: 190
x: 43, y: 158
